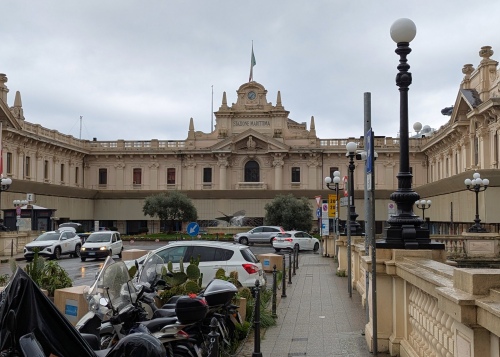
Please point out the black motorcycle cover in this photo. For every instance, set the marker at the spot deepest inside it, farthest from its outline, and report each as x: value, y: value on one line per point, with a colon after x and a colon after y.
x: 36, y: 313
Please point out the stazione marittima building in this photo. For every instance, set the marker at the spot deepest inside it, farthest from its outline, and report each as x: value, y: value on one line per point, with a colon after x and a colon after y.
x: 254, y: 153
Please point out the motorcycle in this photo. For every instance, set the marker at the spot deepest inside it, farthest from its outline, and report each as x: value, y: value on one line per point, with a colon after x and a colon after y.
x: 45, y: 330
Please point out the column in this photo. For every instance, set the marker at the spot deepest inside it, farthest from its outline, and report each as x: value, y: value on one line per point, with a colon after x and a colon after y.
x: 278, y: 171
x: 223, y: 163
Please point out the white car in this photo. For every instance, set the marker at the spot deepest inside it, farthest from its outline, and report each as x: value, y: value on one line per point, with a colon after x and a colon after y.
x: 213, y: 255
x: 295, y: 239
x: 53, y: 244
x: 101, y: 244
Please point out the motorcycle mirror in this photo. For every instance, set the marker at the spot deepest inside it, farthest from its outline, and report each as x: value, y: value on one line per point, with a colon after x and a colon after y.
x: 161, y: 282
x: 103, y: 301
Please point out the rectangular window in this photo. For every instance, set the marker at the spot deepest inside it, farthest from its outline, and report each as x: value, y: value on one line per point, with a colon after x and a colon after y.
x: 103, y: 176
x: 46, y: 169
x: 295, y: 174
x: 9, y: 162
x: 27, y: 166
x: 137, y: 176
x: 62, y: 172
x: 332, y: 170
x: 170, y: 176
x: 207, y: 175
x: 76, y: 174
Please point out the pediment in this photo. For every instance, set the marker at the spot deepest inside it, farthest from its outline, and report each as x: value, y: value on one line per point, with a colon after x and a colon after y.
x: 7, y: 118
x: 467, y: 99
x: 250, y: 140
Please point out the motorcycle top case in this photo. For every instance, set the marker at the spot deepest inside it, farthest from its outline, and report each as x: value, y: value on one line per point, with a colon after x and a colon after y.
x: 219, y: 292
x: 191, y: 309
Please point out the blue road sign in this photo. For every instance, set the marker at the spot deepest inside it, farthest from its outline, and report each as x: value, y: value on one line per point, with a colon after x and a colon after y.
x: 193, y: 228
x: 318, y: 212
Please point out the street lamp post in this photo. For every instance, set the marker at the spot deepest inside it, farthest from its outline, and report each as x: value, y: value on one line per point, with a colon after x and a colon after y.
x: 5, y: 183
x: 477, y: 184
x: 405, y: 229
x: 354, y: 225
x: 17, y: 205
x: 423, y: 205
x: 336, y: 181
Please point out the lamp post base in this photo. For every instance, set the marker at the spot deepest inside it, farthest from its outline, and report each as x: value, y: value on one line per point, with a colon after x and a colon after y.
x: 477, y: 229
x: 408, y: 236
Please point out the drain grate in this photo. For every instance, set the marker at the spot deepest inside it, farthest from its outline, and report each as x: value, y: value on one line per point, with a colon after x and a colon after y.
x: 296, y: 354
x: 300, y: 339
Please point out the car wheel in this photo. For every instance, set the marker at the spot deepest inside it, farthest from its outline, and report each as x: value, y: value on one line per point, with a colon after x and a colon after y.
x: 83, y: 259
x: 76, y: 254
x: 244, y: 241
x: 316, y: 247
x: 120, y: 254
x: 277, y: 249
x: 57, y: 253
x: 110, y: 253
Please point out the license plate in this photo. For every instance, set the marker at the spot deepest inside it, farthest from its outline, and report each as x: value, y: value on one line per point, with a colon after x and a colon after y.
x: 91, y: 253
x: 281, y: 240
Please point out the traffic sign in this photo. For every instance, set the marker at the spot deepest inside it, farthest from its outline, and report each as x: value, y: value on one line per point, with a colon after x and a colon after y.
x: 318, y: 212
x: 369, y: 151
x: 332, y: 202
x: 193, y: 228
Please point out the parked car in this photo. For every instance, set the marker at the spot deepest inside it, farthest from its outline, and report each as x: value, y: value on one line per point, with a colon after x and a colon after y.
x: 54, y: 244
x: 83, y: 236
x: 213, y: 255
x: 101, y: 244
x: 292, y: 239
x: 261, y: 234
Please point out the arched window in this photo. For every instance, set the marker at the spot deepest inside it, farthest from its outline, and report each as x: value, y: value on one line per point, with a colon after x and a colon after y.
x: 252, y: 172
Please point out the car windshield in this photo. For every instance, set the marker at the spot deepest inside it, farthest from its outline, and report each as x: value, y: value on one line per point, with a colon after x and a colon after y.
x: 98, y: 237
x: 48, y: 236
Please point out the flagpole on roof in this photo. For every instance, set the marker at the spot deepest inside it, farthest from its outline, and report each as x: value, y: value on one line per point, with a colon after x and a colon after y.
x: 252, y: 63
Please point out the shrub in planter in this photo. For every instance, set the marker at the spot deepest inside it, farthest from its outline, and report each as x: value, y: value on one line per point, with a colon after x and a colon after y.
x: 48, y: 275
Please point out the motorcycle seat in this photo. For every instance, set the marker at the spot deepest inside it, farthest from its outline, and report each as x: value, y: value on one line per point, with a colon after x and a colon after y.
x: 163, y: 313
x: 156, y: 325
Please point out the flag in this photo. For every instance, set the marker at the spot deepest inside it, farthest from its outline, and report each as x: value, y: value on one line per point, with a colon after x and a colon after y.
x: 252, y: 63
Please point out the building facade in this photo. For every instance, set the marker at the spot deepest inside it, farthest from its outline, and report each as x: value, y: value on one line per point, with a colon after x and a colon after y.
x: 254, y: 153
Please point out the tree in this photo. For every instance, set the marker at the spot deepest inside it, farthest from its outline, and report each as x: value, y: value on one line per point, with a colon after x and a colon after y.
x: 289, y: 212
x: 174, y: 206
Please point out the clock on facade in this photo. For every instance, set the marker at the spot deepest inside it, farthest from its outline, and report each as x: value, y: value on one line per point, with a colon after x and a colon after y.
x: 251, y: 95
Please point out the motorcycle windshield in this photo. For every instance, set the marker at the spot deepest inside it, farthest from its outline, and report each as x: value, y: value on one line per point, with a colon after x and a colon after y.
x: 96, y: 288
x: 36, y: 313
x: 117, y: 286
x: 152, y: 269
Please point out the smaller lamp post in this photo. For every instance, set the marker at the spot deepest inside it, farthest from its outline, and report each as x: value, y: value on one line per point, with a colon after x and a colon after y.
x: 18, y: 204
x: 5, y: 183
x: 336, y: 181
x: 477, y: 184
x: 423, y: 205
x: 353, y: 224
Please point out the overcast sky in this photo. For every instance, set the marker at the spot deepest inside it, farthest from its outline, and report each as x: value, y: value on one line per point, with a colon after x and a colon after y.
x: 138, y: 70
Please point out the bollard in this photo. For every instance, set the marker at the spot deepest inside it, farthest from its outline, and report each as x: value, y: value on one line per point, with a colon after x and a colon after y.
x: 12, y: 248
x: 296, y: 260
x: 256, y: 321
x: 289, y: 267
x: 213, y: 337
x: 283, y: 279
x: 293, y: 266
x: 217, y: 236
x: 275, y: 288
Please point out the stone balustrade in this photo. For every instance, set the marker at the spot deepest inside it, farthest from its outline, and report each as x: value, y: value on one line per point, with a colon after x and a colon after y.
x: 425, y: 305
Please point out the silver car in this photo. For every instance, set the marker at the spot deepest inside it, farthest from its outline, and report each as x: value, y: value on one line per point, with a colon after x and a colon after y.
x: 261, y: 234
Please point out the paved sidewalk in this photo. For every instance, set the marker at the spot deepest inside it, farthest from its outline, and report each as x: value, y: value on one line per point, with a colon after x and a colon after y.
x: 317, y: 318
